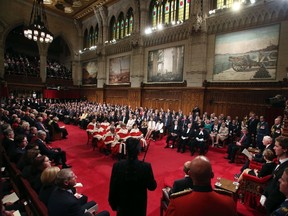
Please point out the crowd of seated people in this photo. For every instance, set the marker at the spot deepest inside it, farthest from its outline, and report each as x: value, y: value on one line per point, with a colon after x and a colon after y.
x: 20, y: 64
x: 110, y: 125
x: 36, y: 157
x: 25, y: 65
x: 58, y: 71
x: 221, y: 130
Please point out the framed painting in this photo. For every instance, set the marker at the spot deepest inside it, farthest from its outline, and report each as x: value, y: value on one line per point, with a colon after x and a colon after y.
x: 119, y: 70
x: 247, y: 55
x: 166, y: 65
x: 89, y: 73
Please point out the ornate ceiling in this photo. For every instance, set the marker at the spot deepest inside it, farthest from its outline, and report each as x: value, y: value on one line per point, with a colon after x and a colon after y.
x: 76, y: 9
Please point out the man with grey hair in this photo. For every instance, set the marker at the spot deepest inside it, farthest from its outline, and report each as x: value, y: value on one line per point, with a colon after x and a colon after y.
x: 55, y: 154
x: 64, y: 201
x: 259, y: 157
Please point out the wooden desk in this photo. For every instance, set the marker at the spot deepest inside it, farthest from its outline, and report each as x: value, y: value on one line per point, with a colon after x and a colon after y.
x: 228, y: 185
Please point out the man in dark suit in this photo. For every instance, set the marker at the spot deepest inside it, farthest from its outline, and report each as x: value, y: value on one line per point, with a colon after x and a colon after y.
x: 252, y: 127
x: 201, y: 137
x: 129, y: 182
x: 173, y: 134
x: 55, y: 154
x: 283, y: 209
x: 183, y: 183
x: 59, y: 129
x: 185, y: 138
x: 272, y: 197
x: 244, y: 142
x: 63, y: 202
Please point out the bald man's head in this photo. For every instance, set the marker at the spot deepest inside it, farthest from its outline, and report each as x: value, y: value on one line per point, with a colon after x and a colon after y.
x: 186, y: 167
x: 201, y: 171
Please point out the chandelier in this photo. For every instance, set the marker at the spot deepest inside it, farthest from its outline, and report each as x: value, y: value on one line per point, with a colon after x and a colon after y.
x: 38, y: 26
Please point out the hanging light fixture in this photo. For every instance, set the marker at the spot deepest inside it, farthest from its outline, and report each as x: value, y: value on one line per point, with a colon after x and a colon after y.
x: 38, y: 25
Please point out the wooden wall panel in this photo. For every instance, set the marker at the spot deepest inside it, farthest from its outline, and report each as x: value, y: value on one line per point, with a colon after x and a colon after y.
x: 182, y: 98
x: 92, y: 94
x: 238, y: 102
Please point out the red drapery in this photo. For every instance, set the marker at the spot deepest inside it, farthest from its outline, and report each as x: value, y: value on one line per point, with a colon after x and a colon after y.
x: 61, y: 94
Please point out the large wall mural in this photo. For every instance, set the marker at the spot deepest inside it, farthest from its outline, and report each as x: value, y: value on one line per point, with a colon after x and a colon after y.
x: 247, y: 55
x: 166, y: 65
x: 119, y: 70
x: 89, y: 73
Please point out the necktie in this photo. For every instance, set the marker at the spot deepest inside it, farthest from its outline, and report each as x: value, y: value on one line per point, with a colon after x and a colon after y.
x: 242, y: 138
x: 47, y: 146
x: 277, y: 167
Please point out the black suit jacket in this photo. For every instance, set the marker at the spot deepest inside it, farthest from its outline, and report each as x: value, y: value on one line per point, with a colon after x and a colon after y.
x: 128, y: 187
x: 204, y: 135
x: 190, y: 134
x: 44, y: 150
x: 272, y: 193
x: 182, y: 184
x: 267, y: 169
x: 259, y: 157
x: 64, y: 203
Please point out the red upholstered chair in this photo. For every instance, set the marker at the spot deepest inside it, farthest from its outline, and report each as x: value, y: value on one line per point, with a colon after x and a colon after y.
x: 89, y: 130
x: 251, y: 189
x: 165, y: 199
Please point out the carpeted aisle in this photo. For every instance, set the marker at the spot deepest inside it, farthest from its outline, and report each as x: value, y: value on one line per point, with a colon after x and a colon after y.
x: 93, y: 169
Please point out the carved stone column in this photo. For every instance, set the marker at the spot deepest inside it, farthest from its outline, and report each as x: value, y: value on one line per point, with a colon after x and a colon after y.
x: 43, y: 49
x: 2, y: 46
x: 76, y: 73
x: 1, y: 60
x: 100, y: 25
x: 137, y: 72
x: 103, y: 13
x: 101, y: 75
x: 143, y: 16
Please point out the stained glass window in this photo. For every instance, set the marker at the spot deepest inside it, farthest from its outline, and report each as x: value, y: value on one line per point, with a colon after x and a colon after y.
x: 113, y: 29
x: 91, y: 36
x: 169, y: 11
x: 226, y: 3
x: 96, y: 34
x: 86, y: 39
x: 120, y: 26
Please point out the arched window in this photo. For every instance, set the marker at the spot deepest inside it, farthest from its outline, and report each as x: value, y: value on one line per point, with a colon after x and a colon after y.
x: 129, y: 22
x: 226, y: 3
x: 113, y: 30
x: 96, y: 34
x: 91, y: 36
x: 85, y: 39
x: 120, y: 26
x: 184, y: 9
x: 168, y: 11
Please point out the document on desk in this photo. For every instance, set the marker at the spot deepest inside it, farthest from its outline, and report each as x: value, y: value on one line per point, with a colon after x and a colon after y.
x: 247, y: 153
x: 16, y: 213
x: 11, y: 198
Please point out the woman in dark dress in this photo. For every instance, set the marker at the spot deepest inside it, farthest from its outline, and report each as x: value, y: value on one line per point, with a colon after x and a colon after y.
x: 267, y: 168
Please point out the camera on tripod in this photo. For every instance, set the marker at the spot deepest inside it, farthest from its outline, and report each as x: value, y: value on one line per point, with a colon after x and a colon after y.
x: 276, y: 101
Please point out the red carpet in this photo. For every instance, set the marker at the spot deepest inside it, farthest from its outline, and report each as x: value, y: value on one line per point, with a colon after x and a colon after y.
x: 93, y: 169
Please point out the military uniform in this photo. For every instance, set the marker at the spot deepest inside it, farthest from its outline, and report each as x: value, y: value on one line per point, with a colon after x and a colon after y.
x: 201, y: 201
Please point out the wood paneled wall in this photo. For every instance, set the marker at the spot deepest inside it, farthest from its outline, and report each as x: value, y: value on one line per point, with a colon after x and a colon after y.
x: 237, y: 101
